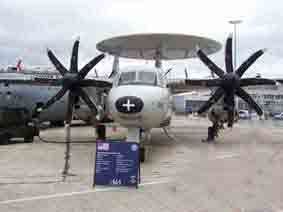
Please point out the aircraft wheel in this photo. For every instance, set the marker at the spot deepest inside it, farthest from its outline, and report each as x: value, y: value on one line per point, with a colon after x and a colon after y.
x: 101, y: 132
x: 57, y: 123
x: 28, y: 139
x: 4, y: 139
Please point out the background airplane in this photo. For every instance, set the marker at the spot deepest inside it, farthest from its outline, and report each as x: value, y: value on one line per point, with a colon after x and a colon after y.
x: 32, y: 90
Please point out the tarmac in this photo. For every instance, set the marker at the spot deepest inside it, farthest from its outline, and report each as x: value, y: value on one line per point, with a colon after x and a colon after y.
x: 240, y: 173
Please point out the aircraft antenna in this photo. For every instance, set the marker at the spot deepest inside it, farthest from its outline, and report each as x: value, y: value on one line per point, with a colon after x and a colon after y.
x: 157, y: 58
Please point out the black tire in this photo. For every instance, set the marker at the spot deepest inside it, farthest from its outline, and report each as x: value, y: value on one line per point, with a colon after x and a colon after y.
x: 57, y: 123
x: 142, y: 154
x: 105, y: 119
x: 36, y: 131
x: 4, y: 139
x: 101, y: 132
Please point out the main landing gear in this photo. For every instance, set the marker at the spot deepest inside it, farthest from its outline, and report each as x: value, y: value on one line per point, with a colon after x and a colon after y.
x: 212, y: 133
x: 145, y: 137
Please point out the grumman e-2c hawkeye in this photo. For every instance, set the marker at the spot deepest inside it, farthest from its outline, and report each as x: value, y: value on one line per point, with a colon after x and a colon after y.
x: 140, y: 97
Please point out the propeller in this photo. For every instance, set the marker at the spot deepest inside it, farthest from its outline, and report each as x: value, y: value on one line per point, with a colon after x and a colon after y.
x: 229, y: 83
x: 73, y: 81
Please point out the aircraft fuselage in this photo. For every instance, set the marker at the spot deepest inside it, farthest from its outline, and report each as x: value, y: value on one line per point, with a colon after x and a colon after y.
x: 139, y: 98
x: 28, y: 96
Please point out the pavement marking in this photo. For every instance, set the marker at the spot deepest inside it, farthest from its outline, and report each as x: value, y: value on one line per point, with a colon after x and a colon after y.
x: 227, y: 156
x: 51, y: 196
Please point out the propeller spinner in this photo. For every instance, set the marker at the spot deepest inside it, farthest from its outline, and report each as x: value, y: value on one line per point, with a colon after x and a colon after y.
x: 229, y: 83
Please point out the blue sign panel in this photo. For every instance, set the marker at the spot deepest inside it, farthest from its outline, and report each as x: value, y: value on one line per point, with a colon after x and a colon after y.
x: 117, y: 164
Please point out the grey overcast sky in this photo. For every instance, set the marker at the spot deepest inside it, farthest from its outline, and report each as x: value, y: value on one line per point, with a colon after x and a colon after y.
x: 29, y: 26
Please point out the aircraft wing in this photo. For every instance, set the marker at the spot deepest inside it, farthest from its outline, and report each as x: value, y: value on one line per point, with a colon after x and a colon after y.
x: 193, y: 84
x: 56, y: 82
x: 187, y: 85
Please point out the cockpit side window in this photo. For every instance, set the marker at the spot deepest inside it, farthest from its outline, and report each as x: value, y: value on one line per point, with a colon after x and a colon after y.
x: 161, y: 80
x: 127, y: 78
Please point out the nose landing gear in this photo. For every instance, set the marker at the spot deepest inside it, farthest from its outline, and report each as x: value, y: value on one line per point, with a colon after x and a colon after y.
x: 143, y: 138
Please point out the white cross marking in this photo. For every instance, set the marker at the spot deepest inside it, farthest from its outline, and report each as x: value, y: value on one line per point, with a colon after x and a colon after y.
x: 128, y: 105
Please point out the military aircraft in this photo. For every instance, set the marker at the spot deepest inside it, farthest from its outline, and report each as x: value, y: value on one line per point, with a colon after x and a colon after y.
x: 31, y: 90
x: 141, y: 97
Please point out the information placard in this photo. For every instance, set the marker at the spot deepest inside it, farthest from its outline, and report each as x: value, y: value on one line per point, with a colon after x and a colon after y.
x: 117, y: 164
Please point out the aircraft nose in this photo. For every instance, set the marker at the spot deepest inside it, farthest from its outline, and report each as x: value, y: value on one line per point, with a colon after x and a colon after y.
x: 129, y: 104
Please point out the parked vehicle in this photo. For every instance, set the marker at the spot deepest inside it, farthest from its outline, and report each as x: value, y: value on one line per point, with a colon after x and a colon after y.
x: 278, y: 116
x: 14, y: 124
x: 244, y: 114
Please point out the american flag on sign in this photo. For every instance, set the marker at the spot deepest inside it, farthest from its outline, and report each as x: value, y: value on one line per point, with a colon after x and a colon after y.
x: 103, y: 146
x: 114, y: 128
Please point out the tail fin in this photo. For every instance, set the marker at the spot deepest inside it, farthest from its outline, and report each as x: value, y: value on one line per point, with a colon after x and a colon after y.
x: 19, y: 65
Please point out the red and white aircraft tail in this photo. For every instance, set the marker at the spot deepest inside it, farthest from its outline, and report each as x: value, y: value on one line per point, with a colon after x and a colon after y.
x: 20, y: 65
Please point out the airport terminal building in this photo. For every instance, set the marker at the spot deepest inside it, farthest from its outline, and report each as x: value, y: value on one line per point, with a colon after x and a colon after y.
x: 270, y: 99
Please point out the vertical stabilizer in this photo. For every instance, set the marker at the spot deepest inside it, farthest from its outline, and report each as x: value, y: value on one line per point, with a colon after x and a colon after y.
x: 19, y: 65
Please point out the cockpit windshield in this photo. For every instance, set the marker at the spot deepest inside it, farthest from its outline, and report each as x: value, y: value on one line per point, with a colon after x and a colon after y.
x: 138, y: 78
x: 146, y: 77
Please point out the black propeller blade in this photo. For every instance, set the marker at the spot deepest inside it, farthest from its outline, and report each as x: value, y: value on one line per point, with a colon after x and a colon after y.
x: 55, y: 98
x: 212, y: 100
x: 87, y: 68
x: 247, y: 98
x: 56, y: 63
x: 229, y: 55
x: 230, y: 82
x: 241, y: 70
x: 87, y: 100
x: 74, y: 58
x: 212, y: 66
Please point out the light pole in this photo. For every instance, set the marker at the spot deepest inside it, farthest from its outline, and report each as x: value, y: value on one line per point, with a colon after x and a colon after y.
x: 235, y: 23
